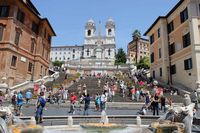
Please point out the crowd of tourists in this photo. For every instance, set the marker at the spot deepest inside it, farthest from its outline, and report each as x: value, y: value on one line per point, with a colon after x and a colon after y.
x: 110, y: 89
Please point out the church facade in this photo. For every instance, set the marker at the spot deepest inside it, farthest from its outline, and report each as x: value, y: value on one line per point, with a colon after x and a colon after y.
x: 97, y: 49
x: 95, y: 56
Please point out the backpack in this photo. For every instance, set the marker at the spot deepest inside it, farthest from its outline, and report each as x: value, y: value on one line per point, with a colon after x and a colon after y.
x: 42, y: 102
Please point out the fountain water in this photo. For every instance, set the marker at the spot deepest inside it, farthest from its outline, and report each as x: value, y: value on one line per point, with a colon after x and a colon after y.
x: 104, y: 118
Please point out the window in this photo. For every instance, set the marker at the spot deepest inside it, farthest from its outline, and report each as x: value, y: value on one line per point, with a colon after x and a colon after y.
x: 56, y: 58
x: 45, y: 33
x: 14, y: 61
x: 73, y: 56
x: 56, y: 53
x: 186, y: 40
x: 109, y: 31
x: 173, y: 69
x: 17, y: 37
x: 60, y: 58
x: 73, y: 50
x: 160, y: 54
x: 49, y: 38
x: 41, y: 71
x: 20, y: 16
x: 32, y: 46
x: 30, y: 66
x: 160, y: 72
x: 188, y: 64
x: 170, y: 27
x: 88, y: 51
x: 152, y: 57
x: 35, y: 27
x: 63, y: 57
x: 1, y: 32
x: 172, y: 49
x: 109, y: 51
x: 151, y: 39
x: 154, y: 74
x: 4, y: 11
x: 184, y: 15
x: 158, y: 32
x: 89, y: 32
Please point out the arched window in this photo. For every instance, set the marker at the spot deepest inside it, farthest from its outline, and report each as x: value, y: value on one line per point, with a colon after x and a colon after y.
x: 89, y: 32
x: 109, y: 32
x: 109, y: 51
x: 88, y: 51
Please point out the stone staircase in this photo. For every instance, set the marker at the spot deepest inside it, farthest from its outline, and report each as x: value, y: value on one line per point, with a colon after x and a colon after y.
x: 92, y: 88
x: 58, y: 80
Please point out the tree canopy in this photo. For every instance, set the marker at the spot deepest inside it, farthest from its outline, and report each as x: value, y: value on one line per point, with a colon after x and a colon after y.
x: 144, y: 63
x: 136, y: 35
x: 120, y: 57
x: 58, y: 63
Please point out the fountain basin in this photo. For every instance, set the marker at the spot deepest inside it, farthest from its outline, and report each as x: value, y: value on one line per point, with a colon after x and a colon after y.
x: 102, y: 125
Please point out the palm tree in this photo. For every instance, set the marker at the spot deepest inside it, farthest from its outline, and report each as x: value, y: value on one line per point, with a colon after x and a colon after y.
x: 136, y: 37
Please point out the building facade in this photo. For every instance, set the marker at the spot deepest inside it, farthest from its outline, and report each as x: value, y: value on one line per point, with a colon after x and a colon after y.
x: 142, y: 50
x: 66, y: 53
x: 96, y: 55
x: 175, y: 41
x: 95, y: 45
x: 25, y: 42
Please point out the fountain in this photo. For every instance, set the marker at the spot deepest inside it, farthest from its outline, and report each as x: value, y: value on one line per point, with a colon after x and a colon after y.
x: 103, y: 125
x: 12, y: 124
x: 177, y: 118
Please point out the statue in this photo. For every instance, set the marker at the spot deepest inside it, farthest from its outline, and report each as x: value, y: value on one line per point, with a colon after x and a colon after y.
x: 182, y: 114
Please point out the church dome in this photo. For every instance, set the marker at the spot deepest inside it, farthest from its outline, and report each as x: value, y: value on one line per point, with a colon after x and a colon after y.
x: 110, y: 23
x: 110, y: 20
x: 90, y: 21
x: 90, y: 24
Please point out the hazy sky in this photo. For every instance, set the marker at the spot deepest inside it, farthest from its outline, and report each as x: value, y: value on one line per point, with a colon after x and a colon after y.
x: 68, y: 17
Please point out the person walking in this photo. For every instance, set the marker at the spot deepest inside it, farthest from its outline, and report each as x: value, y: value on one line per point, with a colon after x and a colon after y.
x: 147, y: 98
x: 19, y: 103
x: 14, y: 101
x: 28, y: 96
x: 162, y: 102
x: 103, y: 100
x: 137, y: 95
x: 73, y: 100
x: 87, y: 100
x: 40, y: 105
x: 155, y: 105
x: 65, y: 95
x: 97, y: 101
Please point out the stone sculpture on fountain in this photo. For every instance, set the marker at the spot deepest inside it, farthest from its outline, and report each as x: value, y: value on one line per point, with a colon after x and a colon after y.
x: 181, y: 114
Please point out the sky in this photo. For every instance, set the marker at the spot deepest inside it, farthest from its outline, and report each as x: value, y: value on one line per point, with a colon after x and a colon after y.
x: 68, y: 17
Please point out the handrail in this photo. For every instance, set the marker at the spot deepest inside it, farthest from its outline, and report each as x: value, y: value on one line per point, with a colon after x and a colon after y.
x: 29, y: 83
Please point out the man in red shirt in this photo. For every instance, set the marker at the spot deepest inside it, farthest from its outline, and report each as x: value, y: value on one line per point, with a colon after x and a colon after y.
x: 73, y: 100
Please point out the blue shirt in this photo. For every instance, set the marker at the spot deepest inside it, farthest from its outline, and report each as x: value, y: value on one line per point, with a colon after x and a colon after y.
x: 28, y: 95
x: 19, y: 99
